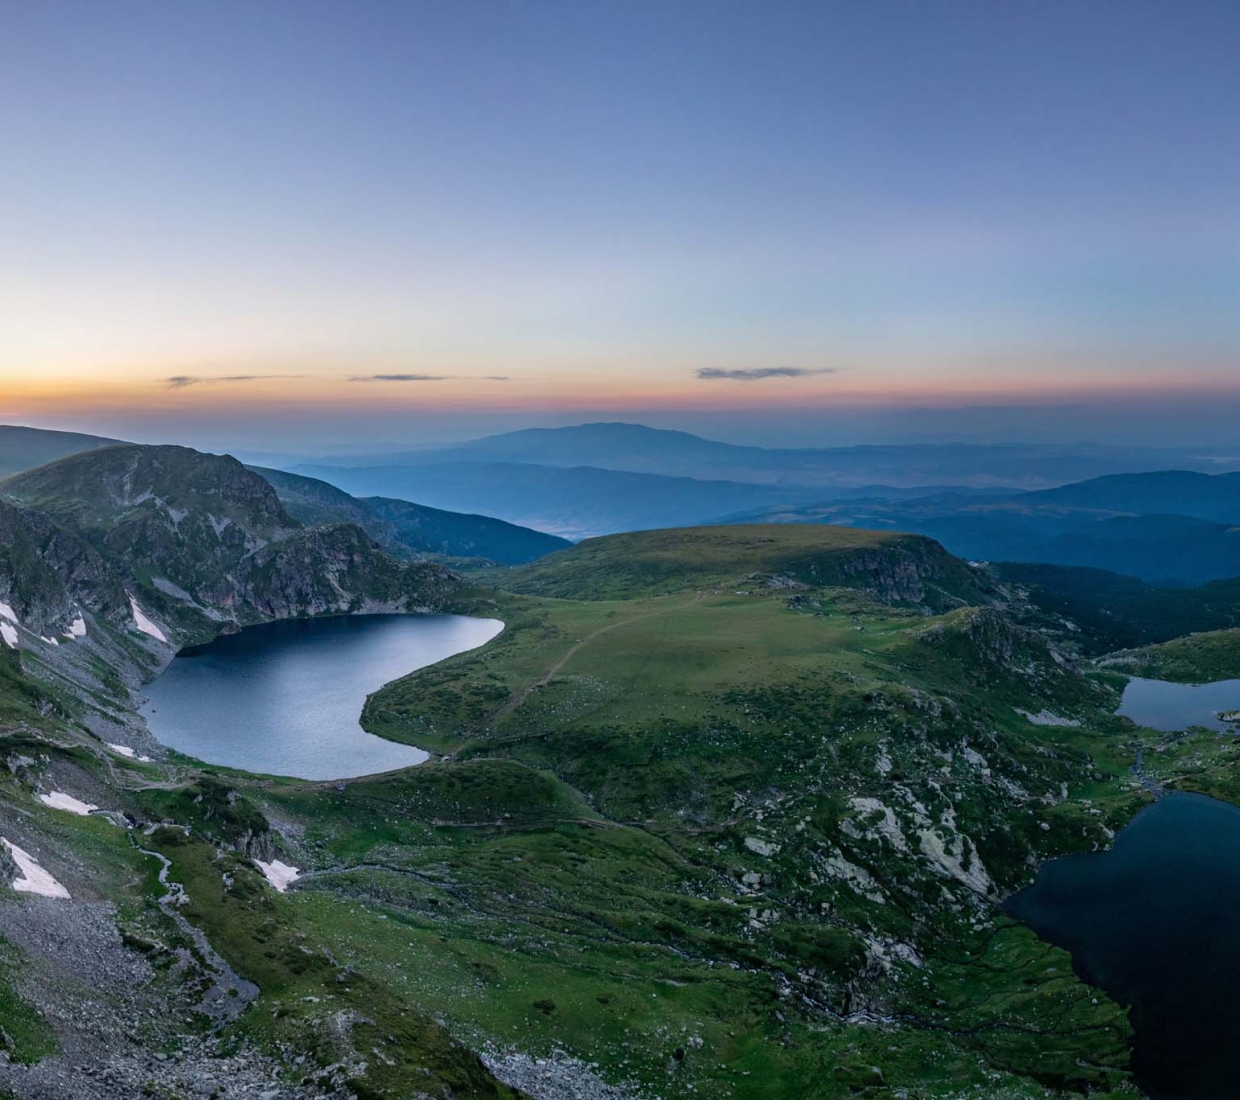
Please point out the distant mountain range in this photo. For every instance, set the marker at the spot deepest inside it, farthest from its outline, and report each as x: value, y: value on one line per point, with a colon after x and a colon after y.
x: 996, y: 503
x: 635, y: 448
x: 573, y: 501
x: 1174, y: 526
x: 405, y: 530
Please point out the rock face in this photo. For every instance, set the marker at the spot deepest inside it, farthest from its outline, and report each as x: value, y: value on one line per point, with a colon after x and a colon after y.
x: 197, y: 540
x: 48, y: 575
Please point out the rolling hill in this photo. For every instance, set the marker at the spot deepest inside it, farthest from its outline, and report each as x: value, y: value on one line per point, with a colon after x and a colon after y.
x: 409, y: 530
x: 25, y: 448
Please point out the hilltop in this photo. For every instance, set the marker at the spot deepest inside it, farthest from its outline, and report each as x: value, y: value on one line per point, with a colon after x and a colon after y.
x: 24, y: 448
x: 891, y: 567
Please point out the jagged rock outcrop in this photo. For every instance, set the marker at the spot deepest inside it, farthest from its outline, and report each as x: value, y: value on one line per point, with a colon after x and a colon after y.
x: 198, y: 540
x: 48, y: 575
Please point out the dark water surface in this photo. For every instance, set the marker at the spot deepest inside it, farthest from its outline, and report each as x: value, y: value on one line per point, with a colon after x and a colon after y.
x: 1163, y: 705
x: 1156, y: 923
x: 284, y: 698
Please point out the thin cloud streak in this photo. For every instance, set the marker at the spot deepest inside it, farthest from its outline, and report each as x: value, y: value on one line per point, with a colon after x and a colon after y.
x: 754, y: 374
x: 182, y: 381
x: 424, y: 377
x: 399, y: 377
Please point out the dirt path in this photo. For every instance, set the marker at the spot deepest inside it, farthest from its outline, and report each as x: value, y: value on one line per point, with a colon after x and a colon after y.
x: 516, y: 700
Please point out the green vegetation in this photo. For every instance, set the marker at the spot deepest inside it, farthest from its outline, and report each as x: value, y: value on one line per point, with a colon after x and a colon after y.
x: 725, y: 812
x: 1194, y: 659
x: 894, y: 568
x: 25, y: 1036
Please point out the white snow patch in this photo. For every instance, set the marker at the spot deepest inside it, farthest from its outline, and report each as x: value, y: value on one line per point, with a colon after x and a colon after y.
x: 58, y: 800
x: 125, y: 750
x: 6, y: 612
x: 144, y: 624
x: 9, y: 633
x: 77, y: 629
x: 50, y: 641
x: 278, y: 874
x: 34, y: 879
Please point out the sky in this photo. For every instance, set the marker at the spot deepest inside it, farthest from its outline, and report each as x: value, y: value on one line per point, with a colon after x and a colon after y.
x: 318, y: 224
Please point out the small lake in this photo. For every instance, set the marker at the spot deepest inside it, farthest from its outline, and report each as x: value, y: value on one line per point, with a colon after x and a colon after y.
x: 1155, y: 922
x: 284, y: 698
x: 1162, y: 705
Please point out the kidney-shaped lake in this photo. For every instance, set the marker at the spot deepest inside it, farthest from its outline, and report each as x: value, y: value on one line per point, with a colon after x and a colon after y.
x: 284, y: 698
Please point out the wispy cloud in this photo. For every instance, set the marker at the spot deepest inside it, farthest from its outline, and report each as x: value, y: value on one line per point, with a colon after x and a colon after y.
x: 399, y: 377
x: 753, y: 374
x: 425, y: 377
x: 181, y: 381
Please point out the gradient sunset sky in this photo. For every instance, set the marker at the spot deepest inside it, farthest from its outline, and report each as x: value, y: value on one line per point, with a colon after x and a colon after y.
x: 308, y: 224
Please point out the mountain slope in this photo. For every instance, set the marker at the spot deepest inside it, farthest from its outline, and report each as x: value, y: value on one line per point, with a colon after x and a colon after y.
x: 411, y: 530
x: 25, y: 448
x: 200, y: 540
x: 1167, y: 492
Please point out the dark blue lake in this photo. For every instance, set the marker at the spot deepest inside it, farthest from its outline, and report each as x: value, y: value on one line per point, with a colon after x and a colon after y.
x: 284, y: 698
x: 1155, y: 922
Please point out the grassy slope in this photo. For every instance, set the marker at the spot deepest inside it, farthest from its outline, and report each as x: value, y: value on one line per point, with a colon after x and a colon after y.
x: 682, y: 724
x: 1194, y: 659
x: 649, y: 563
x: 580, y: 872
x: 25, y: 448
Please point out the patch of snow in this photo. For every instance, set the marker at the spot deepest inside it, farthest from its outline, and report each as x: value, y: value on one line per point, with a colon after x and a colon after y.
x: 6, y: 612
x: 144, y: 624
x: 9, y: 633
x: 125, y: 750
x: 34, y: 880
x: 50, y: 641
x: 278, y: 874
x: 58, y: 800
x: 177, y: 514
x: 77, y: 629
x: 218, y: 525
